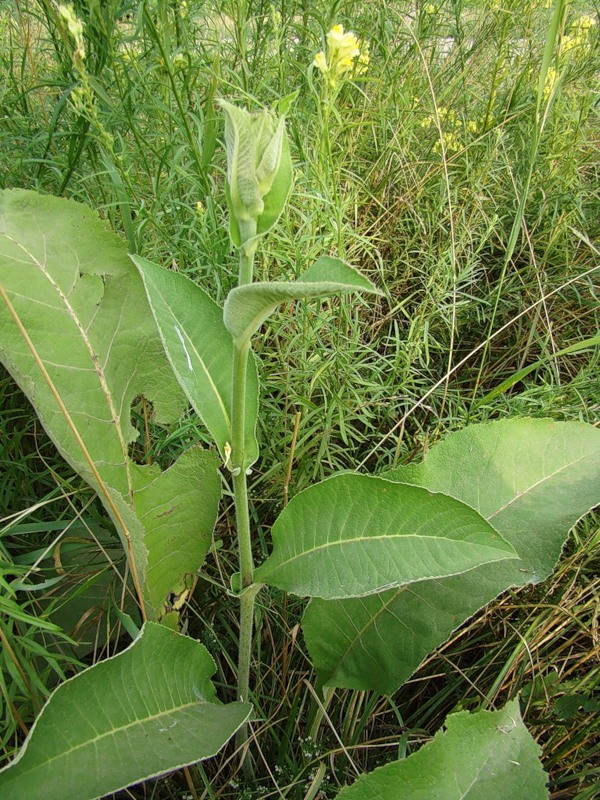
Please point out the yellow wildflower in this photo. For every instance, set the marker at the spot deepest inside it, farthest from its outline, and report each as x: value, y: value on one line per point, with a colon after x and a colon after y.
x: 320, y: 62
x: 452, y: 143
x: 343, y: 55
x: 586, y: 22
x: 363, y: 59
x: 342, y: 45
x: 578, y: 38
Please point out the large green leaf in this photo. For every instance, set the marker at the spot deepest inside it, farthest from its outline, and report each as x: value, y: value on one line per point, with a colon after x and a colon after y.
x: 200, y: 350
x: 247, y: 307
x: 78, y: 336
x: 488, y: 755
x: 353, y: 535
x: 146, y: 711
x: 533, y: 479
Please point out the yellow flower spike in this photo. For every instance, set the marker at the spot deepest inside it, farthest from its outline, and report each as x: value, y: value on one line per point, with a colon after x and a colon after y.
x: 586, y: 22
x: 75, y: 28
x: 348, y: 48
x: 345, y: 54
x: 363, y: 59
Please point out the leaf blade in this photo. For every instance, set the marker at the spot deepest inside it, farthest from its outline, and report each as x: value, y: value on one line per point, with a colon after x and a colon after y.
x: 82, y: 345
x: 247, y: 307
x: 354, y: 535
x: 200, y: 351
x: 481, y: 755
x: 377, y: 642
x: 152, y: 709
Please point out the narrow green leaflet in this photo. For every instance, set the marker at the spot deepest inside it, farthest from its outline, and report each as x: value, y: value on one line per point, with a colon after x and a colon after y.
x: 78, y: 336
x: 200, y: 350
x: 578, y: 347
x: 532, y: 479
x: 484, y: 755
x: 149, y: 710
x: 247, y: 307
x: 353, y: 535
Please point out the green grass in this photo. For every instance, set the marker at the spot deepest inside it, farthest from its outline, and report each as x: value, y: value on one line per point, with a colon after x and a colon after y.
x: 463, y: 187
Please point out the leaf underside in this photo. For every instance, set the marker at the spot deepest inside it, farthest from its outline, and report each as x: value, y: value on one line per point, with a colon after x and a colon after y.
x: 77, y: 335
x: 247, y: 307
x: 149, y: 710
x: 532, y: 479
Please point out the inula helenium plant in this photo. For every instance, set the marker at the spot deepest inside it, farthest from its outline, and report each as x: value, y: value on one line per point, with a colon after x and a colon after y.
x: 390, y: 564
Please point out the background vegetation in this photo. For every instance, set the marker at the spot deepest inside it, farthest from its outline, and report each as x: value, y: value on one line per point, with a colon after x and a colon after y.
x: 466, y: 187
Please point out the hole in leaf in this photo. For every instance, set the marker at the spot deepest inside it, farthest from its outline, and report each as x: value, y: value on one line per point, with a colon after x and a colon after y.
x: 142, y: 450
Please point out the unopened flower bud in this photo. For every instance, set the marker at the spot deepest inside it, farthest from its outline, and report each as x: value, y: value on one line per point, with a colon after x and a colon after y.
x: 258, y: 170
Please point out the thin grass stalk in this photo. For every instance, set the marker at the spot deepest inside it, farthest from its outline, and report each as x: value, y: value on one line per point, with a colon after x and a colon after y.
x: 554, y: 29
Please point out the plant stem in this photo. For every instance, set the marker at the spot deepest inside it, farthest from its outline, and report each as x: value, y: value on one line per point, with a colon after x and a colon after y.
x: 240, y: 492
x: 247, y: 251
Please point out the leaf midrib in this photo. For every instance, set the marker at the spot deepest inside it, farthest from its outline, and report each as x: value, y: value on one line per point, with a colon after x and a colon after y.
x: 113, y: 732
x: 211, y: 382
x: 532, y: 486
x: 352, y: 642
x: 377, y: 537
x: 96, y: 368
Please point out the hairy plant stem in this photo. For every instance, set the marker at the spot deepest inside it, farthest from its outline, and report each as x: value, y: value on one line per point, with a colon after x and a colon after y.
x: 240, y: 492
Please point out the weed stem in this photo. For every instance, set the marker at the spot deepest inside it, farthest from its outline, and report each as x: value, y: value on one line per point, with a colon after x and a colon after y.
x: 240, y: 492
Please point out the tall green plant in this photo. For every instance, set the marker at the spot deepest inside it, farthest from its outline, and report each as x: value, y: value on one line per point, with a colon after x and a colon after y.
x: 403, y: 558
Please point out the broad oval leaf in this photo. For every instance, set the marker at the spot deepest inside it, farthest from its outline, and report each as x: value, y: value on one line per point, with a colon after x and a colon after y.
x: 247, y: 307
x: 200, y: 351
x: 533, y: 479
x: 354, y: 535
x: 146, y: 711
x: 484, y: 755
x: 78, y: 336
